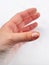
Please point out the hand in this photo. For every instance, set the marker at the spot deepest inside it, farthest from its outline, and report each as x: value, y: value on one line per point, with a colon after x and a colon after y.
x: 16, y: 29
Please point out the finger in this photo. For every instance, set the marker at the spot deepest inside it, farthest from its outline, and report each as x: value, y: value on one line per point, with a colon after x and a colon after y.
x: 25, y: 16
x: 30, y: 27
x: 26, y: 36
x: 29, y: 18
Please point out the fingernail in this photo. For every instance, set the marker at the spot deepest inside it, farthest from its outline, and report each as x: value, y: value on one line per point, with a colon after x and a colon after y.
x: 35, y: 35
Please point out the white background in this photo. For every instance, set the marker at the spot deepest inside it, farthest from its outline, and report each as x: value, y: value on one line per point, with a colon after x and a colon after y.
x: 35, y: 52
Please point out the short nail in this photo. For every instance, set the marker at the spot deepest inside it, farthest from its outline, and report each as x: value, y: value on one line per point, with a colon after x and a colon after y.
x: 35, y: 35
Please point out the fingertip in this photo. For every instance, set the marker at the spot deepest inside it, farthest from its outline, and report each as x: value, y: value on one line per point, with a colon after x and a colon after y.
x: 38, y: 14
x: 35, y: 35
x: 35, y: 24
x: 34, y: 9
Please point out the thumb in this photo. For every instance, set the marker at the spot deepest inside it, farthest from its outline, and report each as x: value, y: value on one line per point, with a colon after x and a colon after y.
x: 25, y: 36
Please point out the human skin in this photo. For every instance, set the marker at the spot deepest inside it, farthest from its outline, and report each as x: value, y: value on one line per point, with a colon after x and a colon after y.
x: 15, y: 30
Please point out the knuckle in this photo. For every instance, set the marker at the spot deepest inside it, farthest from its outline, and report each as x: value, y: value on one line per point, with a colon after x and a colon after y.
x: 26, y: 36
x: 20, y: 16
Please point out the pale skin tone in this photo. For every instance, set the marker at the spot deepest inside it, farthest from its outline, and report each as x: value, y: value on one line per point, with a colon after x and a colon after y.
x: 15, y: 30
